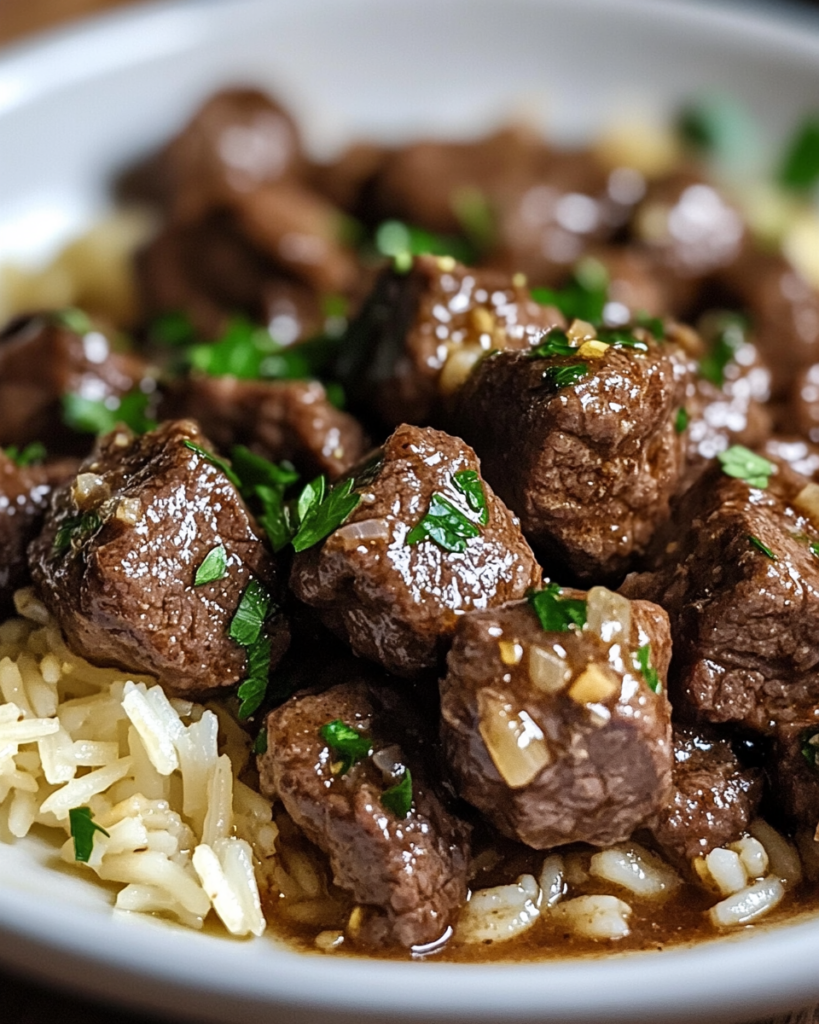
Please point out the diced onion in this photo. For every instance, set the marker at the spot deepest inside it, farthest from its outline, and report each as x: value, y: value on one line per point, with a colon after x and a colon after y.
x: 89, y: 490
x: 547, y: 670
x: 608, y: 615
x: 515, y: 742
x: 353, y: 534
x: 594, y: 684
x: 457, y: 368
x: 807, y: 501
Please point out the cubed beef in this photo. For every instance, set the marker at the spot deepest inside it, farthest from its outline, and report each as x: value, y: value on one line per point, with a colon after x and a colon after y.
x: 583, y: 447
x: 348, y: 179
x: 636, y: 282
x: 292, y: 420
x: 118, y: 555
x: 42, y: 359
x: 561, y: 735
x: 397, y: 598
x: 793, y: 772
x: 421, y: 332
x: 737, y: 574
x: 406, y: 872
x: 713, y: 797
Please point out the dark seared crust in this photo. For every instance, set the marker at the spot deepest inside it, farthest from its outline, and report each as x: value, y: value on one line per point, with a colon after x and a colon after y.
x: 610, y: 765
x: 398, y: 604
x: 409, y: 874
x: 793, y: 780
x: 713, y: 798
x: 745, y: 627
x: 291, y: 420
x: 589, y: 468
x: 394, y: 355
x: 125, y: 596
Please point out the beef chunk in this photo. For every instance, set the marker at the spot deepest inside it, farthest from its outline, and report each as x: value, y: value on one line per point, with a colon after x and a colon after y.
x: 118, y: 554
x: 406, y: 873
x: 43, y: 358
x: 397, y: 603
x: 421, y: 332
x: 636, y: 282
x: 290, y: 420
x: 589, y: 463
x: 24, y: 493
x: 713, y: 798
x: 735, y: 571
x: 793, y: 771
x: 556, y: 735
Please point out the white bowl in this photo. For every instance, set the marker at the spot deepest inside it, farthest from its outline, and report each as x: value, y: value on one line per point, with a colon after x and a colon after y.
x: 80, y: 104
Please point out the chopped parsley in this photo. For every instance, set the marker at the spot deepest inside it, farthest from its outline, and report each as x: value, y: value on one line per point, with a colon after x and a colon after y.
x: 172, y: 329
x: 681, y: 420
x: 82, y: 828
x: 717, y: 126
x: 565, y: 376
x: 248, y: 619
x: 654, y: 324
x: 555, y: 343
x: 400, y: 242
x: 398, y: 798
x: 618, y: 337
x: 649, y: 672
x: 757, y: 543
x: 814, y: 548
x: 743, y: 464
x: 73, y: 319
x: 30, y: 455
x: 319, y: 515
x: 584, y: 297
x: 555, y: 613
x: 445, y: 524
x: 265, y: 483
x: 260, y: 743
x: 810, y: 747
x: 469, y: 484
x: 75, y: 530
x: 729, y: 339
x: 252, y: 690
x: 348, y: 745
x: 475, y: 216
x: 100, y: 416
x: 800, y: 166
x: 214, y: 460
x: 213, y: 567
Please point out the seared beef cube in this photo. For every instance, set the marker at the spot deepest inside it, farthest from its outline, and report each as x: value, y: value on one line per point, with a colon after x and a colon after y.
x: 636, y: 283
x: 117, y: 560
x: 347, y: 181
x: 292, y: 420
x: 417, y: 553
x: 407, y: 872
x: 736, y: 572
x: 713, y: 797
x: 421, y: 332
x: 42, y: 359
x: 24, y: 492
x: 793, y: 772
x: 583, y: 447
x: 561, y: 735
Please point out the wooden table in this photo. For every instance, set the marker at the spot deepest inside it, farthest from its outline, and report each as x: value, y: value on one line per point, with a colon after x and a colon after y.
x: 23, y: 1001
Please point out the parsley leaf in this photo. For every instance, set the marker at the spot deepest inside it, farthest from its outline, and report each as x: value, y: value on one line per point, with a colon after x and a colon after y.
x: 75, y: 530
x: 681, y: 420
x: 253, y: 688
x: 398, y: 798
x: 248, y: 619
x: 83, y: 828
x: 325, y: 515
x: 810, y: 747
x: 743, y: 464
x: 475, y: 216
x: 717, y: 126
x: 213, y: 567
x: 584, y: 297
x: 565, y: 376
x: 311, y: 496
x: 214, y: 460
x: 800, y: 167
x: 729, y: 339
x: 346, y: 743
x: 401, y: 242
x: 654, y: 324
x: 557, y: 614
x: 265, y: 482
x: 260, y: 743
x: 239, y: 352
x: 620, y: 338
x: 555, y: 343
x: 650, y: 674
x: 73, y: 319
x: 757, y: 543
x: 814, y: 548
x: 469, y: 484
x: 92, y: 416
x: 274, y: 517
x: 173, y: 329
x: 444, y: 524
x: 31, y: 454
x: 253, y: 469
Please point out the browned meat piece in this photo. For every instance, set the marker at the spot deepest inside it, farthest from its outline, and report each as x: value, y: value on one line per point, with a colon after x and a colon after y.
x: 556, y: 735
x: 42, y: 359
x: 119, y: 551
x: 406, y: 873
x: 290, y: 420
x: 802, y: 411
x: 793, y: 772
x: 589, y: 460
x: 420, y: 333
x: 713, y: 798
x: 636, y: 281
x: 24, y: 493
x: 784, y: 311
x: 735, y: 571
x: 347, y: 180
x: 395, y: 599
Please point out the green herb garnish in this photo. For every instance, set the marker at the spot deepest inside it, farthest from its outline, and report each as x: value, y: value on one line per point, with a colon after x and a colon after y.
x: 30, y: 455
x: 248, y: 619
x: 800, y: 167
x: 82, y: 828
x: 470, y: 485
x: 252, y: 690
x: 75, y: 530
x: 401, y: 242
x: 213, y: 567
x: 265, y: 482
x: 565, y: 376
x: 73, y: 319
x: 728, y: 341
x: 654, y: 324
x: 320, y: 515
x: 649, y: 673
x: 555, y: 343
x: 584, y: 298
x: 93, y: 416
x: 681, y: 420
x: 260, y: 743
x: 810, y: 747
x: 173, y: 329
x: 347, y: 744
x: 475, y: 216
x: 743, y: 464
x: 444, y: 524
x: 214, y: 460
x: 717, y: 126
x: 398, y: 798
x: 814, y: 548
x: 555, y: 613
x: 757, y: 543
x: 621, y: 338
